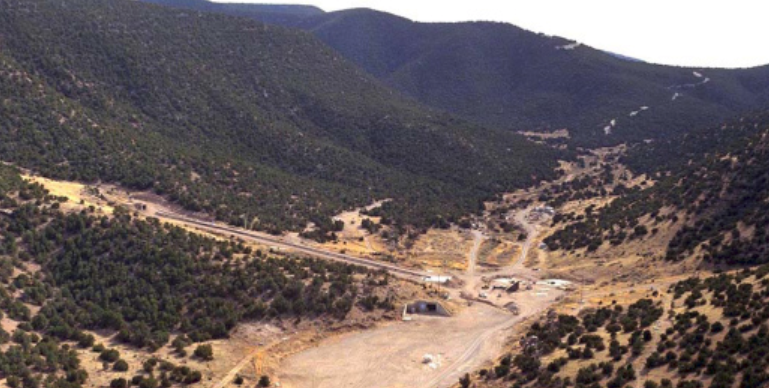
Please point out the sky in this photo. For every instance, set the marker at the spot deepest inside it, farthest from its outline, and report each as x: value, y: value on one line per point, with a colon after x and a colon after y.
x: 673, y: 32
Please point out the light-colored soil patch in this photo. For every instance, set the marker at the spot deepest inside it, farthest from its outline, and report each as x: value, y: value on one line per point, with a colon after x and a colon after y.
x: 393, y: 355
x: 557, y: 134
x: 498, y: 253
x: 227, y: 353
x: 76, y: 193
x: 442, y: 249
x: 104, y: 198
x: 355, y: 239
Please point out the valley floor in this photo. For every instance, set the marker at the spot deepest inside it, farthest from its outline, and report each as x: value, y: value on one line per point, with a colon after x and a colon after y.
x: 394, y: 355
x: 421, y: 351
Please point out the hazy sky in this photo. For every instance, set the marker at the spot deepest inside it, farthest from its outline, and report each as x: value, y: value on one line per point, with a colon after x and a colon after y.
x: 678, y: 32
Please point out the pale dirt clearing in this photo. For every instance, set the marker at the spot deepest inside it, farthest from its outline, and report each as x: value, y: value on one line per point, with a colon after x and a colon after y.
x: 442, y: 249
x: 392, y: 356
x: 354, y: 238
x: 472, y: 258
x: 74, y: 191
x: 427, y: 352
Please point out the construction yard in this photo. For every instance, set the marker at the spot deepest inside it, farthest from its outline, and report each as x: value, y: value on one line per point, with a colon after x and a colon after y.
x: 421, y: 351
x: 428, y: 351
x: 491, y: 282
x: 434, y: 351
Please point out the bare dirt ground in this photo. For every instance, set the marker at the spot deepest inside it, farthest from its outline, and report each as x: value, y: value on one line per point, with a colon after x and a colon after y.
x: 472, y: 259
x: 74, y: 191
x: 535, y: 136
x: 253, y: 349
x: 498, y: 252
x: 354, y: 238
x: 442, y: 249
x: 98, y: 376
x: 437, y: 250
x: 394, y: 355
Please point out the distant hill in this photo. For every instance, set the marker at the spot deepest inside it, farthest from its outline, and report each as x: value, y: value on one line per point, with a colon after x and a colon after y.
x: 247, y: 122
x: 274, y: 13
x: 624, y: 57
x: 500, y: 75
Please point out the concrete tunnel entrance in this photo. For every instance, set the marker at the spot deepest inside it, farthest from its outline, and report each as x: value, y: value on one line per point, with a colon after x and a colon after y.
x: 426, y: 307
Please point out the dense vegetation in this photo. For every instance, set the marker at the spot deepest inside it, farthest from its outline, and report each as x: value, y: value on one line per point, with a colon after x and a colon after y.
x: 231, y: 117
x: 275, y: 13
x: 695, y: 144
x: 714, y: 190
x: 503, y: 76
x: 146, y: 282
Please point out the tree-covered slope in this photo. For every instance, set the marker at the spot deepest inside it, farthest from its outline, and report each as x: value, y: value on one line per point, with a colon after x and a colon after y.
x: 501, y: 75
x: 65, y: 275
x: 698, y: 333
x: 274, y: 13
x: 232, y: 117
x: 713, y: 185
x: 498, y: 74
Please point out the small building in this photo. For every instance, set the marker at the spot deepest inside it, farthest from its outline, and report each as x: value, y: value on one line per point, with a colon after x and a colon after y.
x: 437, y: 279
x: 549, y: 210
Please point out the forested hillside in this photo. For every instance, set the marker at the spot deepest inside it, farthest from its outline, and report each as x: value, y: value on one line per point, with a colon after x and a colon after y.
x: 274, y: 13
x: 712, y: 333
x: 234, y: 118
x: 63, y: 274
x: 504, y: 76
x: 714, y: 183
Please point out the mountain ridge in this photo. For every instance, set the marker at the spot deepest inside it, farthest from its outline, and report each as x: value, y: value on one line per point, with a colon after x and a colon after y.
x: 500, y: 75
x: 232, y: 117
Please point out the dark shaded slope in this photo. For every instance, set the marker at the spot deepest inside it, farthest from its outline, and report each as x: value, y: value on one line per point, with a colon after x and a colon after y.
x: 503, y: 76
x: 273, y: 13
x: 234, y: 118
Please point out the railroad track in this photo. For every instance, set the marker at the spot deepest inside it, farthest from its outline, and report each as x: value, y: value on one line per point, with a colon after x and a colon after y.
x: 312, y: 251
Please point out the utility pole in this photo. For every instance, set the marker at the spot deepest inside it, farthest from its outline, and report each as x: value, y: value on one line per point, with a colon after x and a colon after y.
x: 444, y: 263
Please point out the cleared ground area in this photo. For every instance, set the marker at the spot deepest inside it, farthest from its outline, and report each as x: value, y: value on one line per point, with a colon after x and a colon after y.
x: 429, y: 351
x: 394, y: 355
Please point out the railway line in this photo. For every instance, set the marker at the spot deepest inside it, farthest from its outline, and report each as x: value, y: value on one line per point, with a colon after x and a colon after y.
x: 308, y: 250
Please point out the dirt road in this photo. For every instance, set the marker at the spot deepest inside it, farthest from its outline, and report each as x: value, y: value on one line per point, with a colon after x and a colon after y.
x: 394, y: 356
x: 233, y: 373
x: 531, y: 235
x: 472, y: 260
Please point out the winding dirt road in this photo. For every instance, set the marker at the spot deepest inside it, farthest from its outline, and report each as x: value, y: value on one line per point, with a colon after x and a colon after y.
x: 472, y: 260
x: 391, y: 356
x: 531, y: 235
